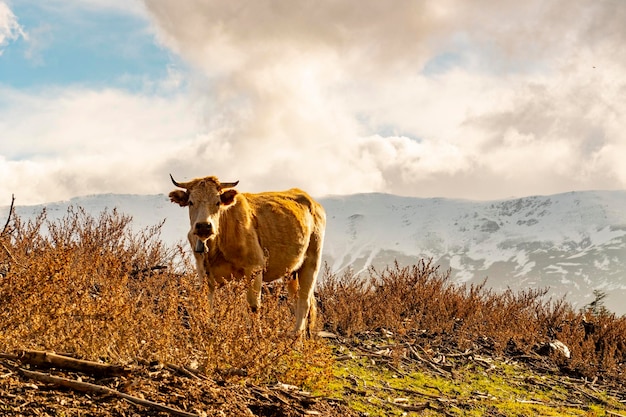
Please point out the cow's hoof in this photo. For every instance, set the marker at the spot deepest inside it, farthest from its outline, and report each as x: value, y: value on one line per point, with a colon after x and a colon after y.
x: 253, y: 309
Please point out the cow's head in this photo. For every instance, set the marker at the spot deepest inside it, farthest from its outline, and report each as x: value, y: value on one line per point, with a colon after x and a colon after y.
x: 205, y: 197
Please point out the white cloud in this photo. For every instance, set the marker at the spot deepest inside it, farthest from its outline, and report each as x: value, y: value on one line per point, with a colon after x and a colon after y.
x: 486, y: 99
x: 333, y: 91
x: 63, y: 143
x: 10, y: 29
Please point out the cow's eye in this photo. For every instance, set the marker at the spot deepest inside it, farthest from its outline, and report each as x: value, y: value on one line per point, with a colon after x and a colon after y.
x: 218, y: 203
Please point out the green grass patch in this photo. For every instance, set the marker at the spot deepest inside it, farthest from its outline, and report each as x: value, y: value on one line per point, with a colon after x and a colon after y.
x: 485, y: 387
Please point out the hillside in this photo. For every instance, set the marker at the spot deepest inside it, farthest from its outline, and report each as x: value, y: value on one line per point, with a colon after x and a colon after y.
x: 373, y: 375
x: 572, y: 243
x: 136, y: 336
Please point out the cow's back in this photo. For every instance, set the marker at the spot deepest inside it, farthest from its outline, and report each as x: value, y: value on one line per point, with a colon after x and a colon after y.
x: 285, y: 222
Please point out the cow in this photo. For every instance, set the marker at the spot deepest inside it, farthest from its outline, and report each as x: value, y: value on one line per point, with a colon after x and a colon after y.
x: 260, y: 237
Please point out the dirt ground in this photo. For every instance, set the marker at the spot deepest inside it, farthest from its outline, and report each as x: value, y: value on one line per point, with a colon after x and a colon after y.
x: 45, y: 385
x: 165, y: 390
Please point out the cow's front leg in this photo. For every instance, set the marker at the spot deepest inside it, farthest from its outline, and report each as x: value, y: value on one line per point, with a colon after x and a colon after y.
x: 254, y: 290
x: 211, y: 286
x: 200, y: 269
x: 198, y: 248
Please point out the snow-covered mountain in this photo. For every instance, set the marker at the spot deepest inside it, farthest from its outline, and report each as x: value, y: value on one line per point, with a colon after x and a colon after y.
x: 573, y: 243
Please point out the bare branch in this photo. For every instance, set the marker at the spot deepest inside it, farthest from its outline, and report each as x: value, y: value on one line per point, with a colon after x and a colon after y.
x: 11, y: 208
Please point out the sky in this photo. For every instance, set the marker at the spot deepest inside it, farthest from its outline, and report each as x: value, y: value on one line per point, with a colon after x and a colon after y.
x: 481, y: 100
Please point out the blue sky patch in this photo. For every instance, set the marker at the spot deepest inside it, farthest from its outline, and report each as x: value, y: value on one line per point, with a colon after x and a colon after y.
x: 83, y: 47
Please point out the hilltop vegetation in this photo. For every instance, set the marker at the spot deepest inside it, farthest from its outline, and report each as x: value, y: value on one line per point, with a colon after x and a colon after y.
x: 402, y: 339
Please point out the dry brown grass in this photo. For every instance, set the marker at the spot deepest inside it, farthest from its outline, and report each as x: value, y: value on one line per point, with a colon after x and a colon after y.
x: 422, y: 303
x: 88, y: 286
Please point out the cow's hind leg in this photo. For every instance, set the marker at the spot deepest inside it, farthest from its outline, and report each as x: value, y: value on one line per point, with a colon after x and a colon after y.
x: 292, y: 286
x: 306, y: 306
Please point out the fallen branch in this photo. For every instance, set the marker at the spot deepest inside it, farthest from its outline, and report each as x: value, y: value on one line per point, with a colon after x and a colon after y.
x: 183, y: 371
x: 406, y: 407
x: 430, y: 363
x: 592, y: 397
x: 420, y: 407
x: 9, y: 356
x: 468, y: 352
x: 589, y: 396
x: 52, y: 360
x: 100, y: 389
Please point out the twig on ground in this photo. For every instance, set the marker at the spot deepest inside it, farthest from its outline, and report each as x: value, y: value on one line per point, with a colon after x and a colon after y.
x: 183, y: 371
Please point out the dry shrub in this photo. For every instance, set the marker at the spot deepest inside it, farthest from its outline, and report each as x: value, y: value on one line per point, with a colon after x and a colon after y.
x: 422, y: 303
x: 89, y: 286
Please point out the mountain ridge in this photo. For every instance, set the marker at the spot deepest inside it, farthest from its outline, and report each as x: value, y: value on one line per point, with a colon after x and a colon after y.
x: 572, y: 242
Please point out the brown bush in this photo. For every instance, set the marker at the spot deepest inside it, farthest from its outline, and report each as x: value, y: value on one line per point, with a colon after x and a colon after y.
x: 422, y: 303
x: 90, y: 287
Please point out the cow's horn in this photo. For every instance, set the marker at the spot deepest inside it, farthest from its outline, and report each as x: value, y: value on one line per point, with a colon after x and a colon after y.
x: 178, y: 184
x: 224, y: 185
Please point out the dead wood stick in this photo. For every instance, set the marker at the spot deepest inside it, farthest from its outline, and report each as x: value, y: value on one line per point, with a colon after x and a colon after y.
x: 406, y: 407
x: 592, y: 397
x: 430, y: 363
x: 182, y: 370
x: 421, y: 407
x: 344, y: 357
x: 100, y: 389
x: 6, y: 225
x: 468, y: 352
x: 8, y: 252
x: 589, y: 396
x: 265, y: 396
x: 370, y: 353
x: 52, y: 360
x: 9, y: 356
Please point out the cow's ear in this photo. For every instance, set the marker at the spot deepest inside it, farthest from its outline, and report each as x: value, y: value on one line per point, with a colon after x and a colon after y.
x: 179, y: 197
x: 228, y: 197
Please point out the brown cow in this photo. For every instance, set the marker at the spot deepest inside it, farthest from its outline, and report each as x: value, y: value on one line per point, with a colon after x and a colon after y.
x: 262, y: 237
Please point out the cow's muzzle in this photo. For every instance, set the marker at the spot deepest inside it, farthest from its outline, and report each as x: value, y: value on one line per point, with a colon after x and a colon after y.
x: 203, y: 230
